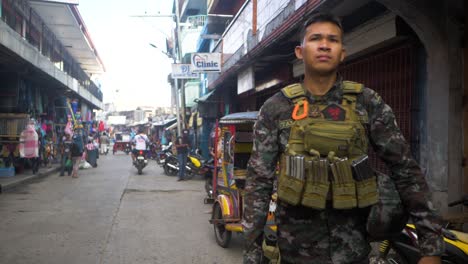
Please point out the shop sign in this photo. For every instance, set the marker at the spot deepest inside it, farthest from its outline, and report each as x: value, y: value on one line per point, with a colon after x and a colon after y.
x: 206, y: 62
x: 183, y: 71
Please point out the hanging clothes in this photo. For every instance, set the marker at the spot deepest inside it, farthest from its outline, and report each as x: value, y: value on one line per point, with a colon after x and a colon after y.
x: 29, y: 143
x: 101, y: 126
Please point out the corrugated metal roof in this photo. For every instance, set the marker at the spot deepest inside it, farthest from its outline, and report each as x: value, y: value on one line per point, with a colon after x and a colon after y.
x: 65, y: 21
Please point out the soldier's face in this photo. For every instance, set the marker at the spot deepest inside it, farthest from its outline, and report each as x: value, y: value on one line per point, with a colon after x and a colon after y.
x: 322, y: 48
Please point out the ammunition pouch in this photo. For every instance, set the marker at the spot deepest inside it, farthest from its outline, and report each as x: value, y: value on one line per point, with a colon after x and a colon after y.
x: 304, y: 178
x: 343, y: 185
x: 366, y: 185
x: 291, y: 179
x: 317, y: 184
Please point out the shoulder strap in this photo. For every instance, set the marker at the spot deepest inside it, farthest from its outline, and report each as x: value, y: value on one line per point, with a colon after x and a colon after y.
x: 350, y: 87
x: 293, y: 92
x: 351, y: 91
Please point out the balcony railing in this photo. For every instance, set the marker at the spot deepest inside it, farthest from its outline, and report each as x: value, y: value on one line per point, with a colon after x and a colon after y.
x: 19, y: 16
x: 236, y: 33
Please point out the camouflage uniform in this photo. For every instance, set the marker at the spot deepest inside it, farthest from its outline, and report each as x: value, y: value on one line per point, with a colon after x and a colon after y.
x: 306, y: 235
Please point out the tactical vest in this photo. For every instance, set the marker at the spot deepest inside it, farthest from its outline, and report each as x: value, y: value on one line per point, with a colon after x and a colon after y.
x: 327, y: 146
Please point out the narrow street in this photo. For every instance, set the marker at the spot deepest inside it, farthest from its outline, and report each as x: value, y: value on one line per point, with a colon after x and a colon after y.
x: 110, y: 215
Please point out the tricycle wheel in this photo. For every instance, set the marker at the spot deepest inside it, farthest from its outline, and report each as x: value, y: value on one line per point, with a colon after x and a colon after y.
x: 223, y: 236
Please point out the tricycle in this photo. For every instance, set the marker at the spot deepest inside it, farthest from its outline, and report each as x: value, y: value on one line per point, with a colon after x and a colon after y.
x: 234, y: 134
x: 122, y: 143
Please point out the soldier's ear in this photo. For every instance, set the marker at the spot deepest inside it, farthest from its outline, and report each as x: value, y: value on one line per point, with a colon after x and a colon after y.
x: 298, y: 51
x: 343, y: 54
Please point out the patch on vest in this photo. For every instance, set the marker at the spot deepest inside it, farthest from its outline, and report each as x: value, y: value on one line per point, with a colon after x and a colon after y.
x: 334, y: 112
x: 285, y: 123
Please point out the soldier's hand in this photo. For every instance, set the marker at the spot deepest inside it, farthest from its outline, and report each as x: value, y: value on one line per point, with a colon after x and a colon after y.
x: 430, y: 260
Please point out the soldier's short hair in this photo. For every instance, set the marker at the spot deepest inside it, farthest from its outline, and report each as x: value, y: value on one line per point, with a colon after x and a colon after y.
x: 318, y: 18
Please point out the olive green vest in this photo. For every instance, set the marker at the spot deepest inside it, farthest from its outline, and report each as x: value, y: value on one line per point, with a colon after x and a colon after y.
x: 327, y: 146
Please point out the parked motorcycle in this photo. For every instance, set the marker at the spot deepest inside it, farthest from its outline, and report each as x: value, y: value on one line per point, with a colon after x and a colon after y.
x: 403, y: 249
x: 195, y: 165
x: 162, y: 155
x: 140, y: 161
x: 170, y: 164
x: 209, y: 180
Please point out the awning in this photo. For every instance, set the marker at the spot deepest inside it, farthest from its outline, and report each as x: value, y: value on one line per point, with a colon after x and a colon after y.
x: 164, y: 122
x: 65, y: 21
x: 173, y: 126
x: 204, y: 98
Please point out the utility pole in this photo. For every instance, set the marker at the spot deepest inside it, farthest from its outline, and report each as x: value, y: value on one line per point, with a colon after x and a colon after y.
x: 175, y: 57
x: 176, y: 94
x: 179, y: 58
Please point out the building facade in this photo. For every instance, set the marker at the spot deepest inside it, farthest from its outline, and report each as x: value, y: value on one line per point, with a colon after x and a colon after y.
x: 47, y: 65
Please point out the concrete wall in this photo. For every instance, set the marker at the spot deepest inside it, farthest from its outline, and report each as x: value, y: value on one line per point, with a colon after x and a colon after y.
x: 441, y: 154
x: 16, y: 44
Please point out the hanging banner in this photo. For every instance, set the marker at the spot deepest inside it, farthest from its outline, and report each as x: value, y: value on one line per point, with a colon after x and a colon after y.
x: 206, y: 62
x: 183, y: 71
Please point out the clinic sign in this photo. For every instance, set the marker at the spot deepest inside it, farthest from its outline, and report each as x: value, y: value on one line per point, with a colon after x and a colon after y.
x: 206, y: 62
x: 183, y: 71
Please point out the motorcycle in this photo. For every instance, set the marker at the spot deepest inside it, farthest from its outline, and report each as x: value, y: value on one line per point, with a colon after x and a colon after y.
x: 195, y: 165
x: 170, y: 164
x: 140, y: 161
x: 209, y: 181
x: 403, y: 249
x: 162, y: 155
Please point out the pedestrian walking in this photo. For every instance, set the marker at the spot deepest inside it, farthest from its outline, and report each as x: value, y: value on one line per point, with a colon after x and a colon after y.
x: 77, y: 151
x: 319, y: 131
x: 104, y: 143
x: 66, y: 158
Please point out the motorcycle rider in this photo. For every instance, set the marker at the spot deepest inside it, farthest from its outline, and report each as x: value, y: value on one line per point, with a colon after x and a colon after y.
x: 140, y: 141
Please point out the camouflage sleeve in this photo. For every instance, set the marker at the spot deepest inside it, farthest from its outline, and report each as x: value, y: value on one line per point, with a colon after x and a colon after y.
x: 390, y: 145
x: 259, y: 185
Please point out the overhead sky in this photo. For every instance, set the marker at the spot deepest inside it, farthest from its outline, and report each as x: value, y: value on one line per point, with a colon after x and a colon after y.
x: 136, y: 73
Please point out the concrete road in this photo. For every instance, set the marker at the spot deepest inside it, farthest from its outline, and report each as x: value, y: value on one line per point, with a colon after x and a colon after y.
x: 110, y: 215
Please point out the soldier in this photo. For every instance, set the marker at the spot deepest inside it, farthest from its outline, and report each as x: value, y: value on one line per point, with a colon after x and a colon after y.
x: 319, y: 132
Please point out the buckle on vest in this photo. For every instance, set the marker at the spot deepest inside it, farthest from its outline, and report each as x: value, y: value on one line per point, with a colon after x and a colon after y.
x: 305, y: 110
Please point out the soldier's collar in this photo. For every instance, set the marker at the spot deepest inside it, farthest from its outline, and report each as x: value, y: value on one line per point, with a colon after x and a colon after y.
x: 335, y: 93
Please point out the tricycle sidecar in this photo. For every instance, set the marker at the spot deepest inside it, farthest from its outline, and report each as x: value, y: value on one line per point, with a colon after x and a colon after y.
x: 233, y: 149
